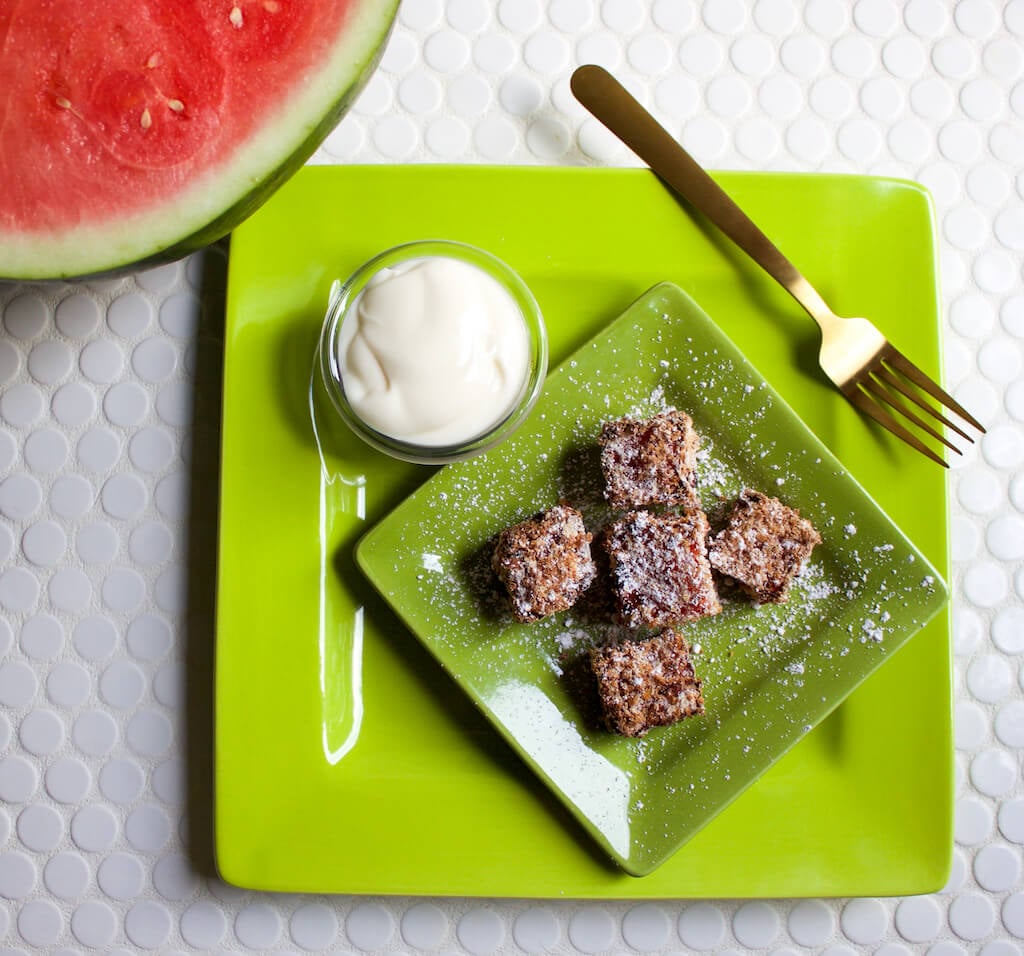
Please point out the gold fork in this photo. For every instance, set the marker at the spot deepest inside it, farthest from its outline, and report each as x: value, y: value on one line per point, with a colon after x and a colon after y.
x: 865, y: 367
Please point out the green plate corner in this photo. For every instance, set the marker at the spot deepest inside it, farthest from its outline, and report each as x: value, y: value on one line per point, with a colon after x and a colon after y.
x: 346, y: 760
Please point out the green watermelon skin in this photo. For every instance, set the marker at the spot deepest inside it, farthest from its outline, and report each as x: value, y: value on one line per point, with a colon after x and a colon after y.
x: 137, y: 192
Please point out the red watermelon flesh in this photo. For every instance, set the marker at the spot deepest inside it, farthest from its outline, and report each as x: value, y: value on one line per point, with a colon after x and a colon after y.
x: 142, y: 129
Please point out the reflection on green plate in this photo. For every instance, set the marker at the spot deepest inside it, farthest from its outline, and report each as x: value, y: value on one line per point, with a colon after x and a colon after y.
x: 348, y: 761
x: 770, y: 673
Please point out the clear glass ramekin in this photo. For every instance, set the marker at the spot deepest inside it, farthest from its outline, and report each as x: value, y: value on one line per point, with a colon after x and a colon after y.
x: 344, y: 294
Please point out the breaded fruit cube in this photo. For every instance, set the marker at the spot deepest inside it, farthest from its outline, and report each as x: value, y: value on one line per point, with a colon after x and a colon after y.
x: 658, y: 568
x: 763, y: 546
x: 545, y: 562
x: 650, y: 461
x: 646, y: 683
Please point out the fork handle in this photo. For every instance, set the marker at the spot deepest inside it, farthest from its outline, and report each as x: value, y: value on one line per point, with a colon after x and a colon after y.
x: 617, y: 109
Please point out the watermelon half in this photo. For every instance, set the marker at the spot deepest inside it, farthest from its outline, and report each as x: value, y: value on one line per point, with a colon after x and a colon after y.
x: 140, y: 131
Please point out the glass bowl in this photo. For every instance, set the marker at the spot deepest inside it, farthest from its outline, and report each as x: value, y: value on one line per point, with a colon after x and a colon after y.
x: 343, y: 299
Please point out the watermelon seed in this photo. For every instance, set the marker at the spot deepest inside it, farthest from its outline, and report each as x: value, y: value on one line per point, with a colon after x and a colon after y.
x: 65, y: 104
x: 146, y: 120
x: 271, y: 6
x: 153, y: 61
x: 176, y: 105
x: 235, y: 17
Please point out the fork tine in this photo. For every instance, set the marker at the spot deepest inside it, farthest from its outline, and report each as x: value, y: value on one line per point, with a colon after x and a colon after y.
x: 862, y: 400
x: 911, y: 372
x: 870, y: 385
x: 882, y: 373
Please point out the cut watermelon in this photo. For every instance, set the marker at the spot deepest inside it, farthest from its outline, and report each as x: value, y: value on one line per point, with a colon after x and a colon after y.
x: 139, y: 132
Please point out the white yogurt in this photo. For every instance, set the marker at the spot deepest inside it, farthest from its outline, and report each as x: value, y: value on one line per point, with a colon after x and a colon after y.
x: 433, y: 351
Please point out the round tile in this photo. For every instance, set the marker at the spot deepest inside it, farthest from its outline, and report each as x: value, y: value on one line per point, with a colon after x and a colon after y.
x: 25, y: 316
x: 174, y: 878
x: 149, y: 733
x: 904, y: 57
x: 123, y: 589
x: 803, y: 56
x: 94, y: 733
x: 42, y: 637
x: 811, y: 923
x: 19, y: 590
x: 993, y: 772
x: 864, y: 921
x: 73, y: 404
x: 129, y: 315
x: 973, y: 821
x: 755, y: 924
x: 50, y: 361
x: 536, y: 930
x: 40, y: 923
x: 1003, y: 447
x: 41, y: 732
x: 66, y: 875
x: 258, y: 926
x: 919, y: 919
x: 94, y: 924
x: 370, y: 926
x: 548, y: 53
x: 728, y: 17
x: 94, y: 828
x: 646, y: 927
x: 990, y: 678
x: 98, y: 450
x: 20, y: 497
x: 121, y: 781
x: 148, y: 924
x: 68, y: 780
x: 997, y: 868
x: 154, y: 359
x: 17, y: 875
x: 313, y: 926
x: 17, y: 684
x: 590, y: 929
x: 985, y: 584
x: 101, y: 361
x: 121, y: 876
x: 203, y: 925
x: 19, y: 779
x: 40, y: 828
x: 44, y: 543
x: 147, y: 828
x: 22, y: 405
x: 853, y: 56
x: 971, y: 916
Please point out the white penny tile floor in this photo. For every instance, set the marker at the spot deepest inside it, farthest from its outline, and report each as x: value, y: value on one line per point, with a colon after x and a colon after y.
x: 98, y: 399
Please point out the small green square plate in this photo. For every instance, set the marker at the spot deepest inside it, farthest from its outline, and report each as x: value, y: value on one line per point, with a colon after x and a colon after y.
x: 770, y: 673
x: 346, y: 759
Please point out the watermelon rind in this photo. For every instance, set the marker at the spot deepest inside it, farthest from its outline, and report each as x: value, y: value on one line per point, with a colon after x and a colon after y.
x: 223, y: 196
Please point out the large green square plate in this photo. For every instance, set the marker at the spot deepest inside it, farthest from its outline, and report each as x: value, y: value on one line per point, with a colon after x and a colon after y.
x: 346, y: 760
